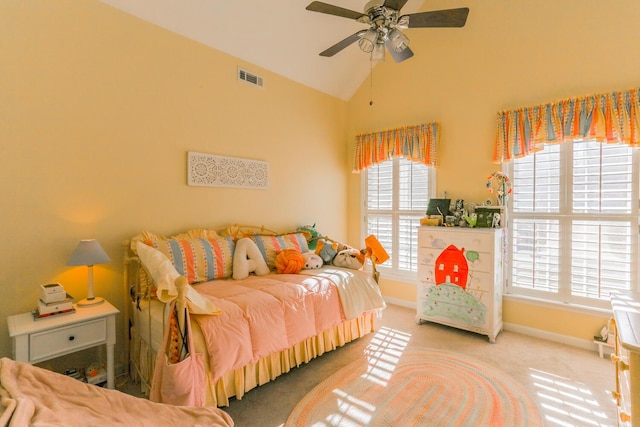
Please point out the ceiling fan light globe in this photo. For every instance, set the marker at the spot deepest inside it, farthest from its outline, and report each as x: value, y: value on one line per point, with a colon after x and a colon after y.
x: 399, y: 41
x: 368, y: 40
x: 378, y: 53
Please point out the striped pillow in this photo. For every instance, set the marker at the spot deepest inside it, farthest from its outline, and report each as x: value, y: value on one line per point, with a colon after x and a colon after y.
x: 198, y: 259
x: 270, y: 245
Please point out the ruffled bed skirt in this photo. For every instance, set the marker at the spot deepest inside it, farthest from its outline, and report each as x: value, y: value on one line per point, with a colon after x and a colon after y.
x: 236, y: 383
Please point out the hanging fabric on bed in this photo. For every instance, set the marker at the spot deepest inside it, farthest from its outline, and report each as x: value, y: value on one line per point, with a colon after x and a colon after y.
x: 179, y: 374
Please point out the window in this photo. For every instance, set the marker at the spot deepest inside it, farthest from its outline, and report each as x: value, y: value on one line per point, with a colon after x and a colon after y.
x: 397, y: 193
x: 574, y: 222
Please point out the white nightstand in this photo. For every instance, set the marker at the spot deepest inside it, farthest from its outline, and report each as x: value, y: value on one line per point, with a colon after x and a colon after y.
x: 43, y: 339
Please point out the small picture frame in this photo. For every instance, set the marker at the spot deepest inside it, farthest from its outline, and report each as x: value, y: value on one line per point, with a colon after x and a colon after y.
x: 487, y: 217
x: 439, y: 207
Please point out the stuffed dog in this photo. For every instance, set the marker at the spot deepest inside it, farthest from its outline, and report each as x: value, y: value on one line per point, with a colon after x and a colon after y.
x: 349, y: 258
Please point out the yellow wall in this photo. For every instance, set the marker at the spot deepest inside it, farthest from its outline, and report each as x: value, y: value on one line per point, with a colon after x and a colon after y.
x: 509, y: 54
x: 98, y: 110
x: 97, y: 113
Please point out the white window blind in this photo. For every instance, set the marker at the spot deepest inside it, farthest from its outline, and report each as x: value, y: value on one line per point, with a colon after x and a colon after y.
x: 397, y: 194
x: 574, y: 222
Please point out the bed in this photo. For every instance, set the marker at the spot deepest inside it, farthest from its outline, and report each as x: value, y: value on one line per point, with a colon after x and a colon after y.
x: 35, y: 396
x: 261, y: 323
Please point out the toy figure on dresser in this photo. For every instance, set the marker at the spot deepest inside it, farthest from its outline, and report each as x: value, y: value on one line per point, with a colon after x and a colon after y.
x: 457, y: 213
x: 472, y: 219
x: 496, y: 221
x: 464, y: 213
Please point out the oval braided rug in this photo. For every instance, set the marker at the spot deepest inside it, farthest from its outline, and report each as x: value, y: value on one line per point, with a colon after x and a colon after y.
x: 417, y: 387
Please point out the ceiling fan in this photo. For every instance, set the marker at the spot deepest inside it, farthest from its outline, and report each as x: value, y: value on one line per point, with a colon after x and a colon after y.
x: 385, y: 22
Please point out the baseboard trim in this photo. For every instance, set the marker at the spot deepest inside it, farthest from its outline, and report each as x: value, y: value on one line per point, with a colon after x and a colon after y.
x: 524, y: 330
x: 400, y: 302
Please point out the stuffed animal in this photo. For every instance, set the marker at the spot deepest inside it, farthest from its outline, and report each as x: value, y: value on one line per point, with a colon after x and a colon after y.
x: 312, y: 235
x: 328, y: 249
x: 349, y: 258
x: 312, y: 261
x: 289, y: 261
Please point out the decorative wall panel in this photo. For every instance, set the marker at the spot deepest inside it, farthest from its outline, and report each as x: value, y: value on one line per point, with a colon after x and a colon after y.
x: 208, y: 170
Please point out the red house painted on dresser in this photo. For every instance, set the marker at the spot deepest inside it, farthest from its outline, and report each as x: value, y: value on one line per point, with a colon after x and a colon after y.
x: 452, y: 267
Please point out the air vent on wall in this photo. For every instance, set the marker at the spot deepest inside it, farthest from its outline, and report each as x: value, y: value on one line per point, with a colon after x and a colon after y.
x: 250, y: 78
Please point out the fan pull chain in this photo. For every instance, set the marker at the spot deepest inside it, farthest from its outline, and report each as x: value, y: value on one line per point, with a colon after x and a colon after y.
x: 371, y: 83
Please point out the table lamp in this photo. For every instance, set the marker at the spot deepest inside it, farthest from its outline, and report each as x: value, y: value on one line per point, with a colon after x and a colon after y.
x: 89, y: 252
x: 376, y: 254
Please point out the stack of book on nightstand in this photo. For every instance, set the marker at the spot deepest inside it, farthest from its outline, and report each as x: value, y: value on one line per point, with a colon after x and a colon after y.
x: 53, y: 301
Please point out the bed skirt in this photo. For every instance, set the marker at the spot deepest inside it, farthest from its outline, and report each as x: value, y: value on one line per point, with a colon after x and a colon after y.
x: 236, y: 383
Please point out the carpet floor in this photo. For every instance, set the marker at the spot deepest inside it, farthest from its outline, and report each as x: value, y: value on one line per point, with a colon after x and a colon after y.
x: 570, y: 386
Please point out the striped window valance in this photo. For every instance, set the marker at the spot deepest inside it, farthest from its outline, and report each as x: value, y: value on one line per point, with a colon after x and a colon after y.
x: 418, y: 143
x: 612, y: 117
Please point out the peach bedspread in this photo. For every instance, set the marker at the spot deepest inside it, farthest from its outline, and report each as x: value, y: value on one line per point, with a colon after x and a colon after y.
x: 34, y: 396
x: 263, y: 315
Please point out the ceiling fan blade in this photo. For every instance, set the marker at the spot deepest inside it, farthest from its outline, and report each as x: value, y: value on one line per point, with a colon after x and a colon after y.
x: 439, y: 18
x: 395, y: 4
x: 318, y: 6
x: 398, y: 56
x: 342, y: 44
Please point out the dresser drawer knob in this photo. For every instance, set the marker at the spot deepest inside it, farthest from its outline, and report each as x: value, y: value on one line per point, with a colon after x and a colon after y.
x: 71, y: 338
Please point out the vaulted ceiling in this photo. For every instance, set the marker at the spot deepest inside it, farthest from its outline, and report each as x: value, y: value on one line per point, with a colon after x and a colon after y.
x: 278, y: 35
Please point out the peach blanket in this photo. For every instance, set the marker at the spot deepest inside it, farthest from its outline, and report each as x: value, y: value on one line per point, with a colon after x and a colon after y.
x: 262, y: 315
x: 36, y: 397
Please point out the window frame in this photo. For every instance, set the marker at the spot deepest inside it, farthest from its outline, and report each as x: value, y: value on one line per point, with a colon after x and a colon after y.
x: 393, y: 272
x: 566, y: 218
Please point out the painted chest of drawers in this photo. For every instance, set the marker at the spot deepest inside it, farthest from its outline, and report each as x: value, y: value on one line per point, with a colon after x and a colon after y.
x: 460, y: 278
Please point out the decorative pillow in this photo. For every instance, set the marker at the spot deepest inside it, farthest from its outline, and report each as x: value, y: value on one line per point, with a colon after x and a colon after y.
x: 164, y: 275
x: 195, y: 233
x: 248, y: 259
x: 199, y: 259
x: 269, y: 246
x: 289, y: 261
x: 162, y: 271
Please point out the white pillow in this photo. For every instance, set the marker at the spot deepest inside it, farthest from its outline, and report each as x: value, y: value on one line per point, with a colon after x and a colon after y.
x: 164, y: 274
x: 248, y: 259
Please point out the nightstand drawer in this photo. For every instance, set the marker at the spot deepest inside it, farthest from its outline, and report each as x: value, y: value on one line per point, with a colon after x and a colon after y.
x: 57, y: 342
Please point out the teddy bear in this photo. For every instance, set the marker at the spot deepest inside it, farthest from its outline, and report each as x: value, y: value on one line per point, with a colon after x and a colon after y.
x: 349, y: 258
